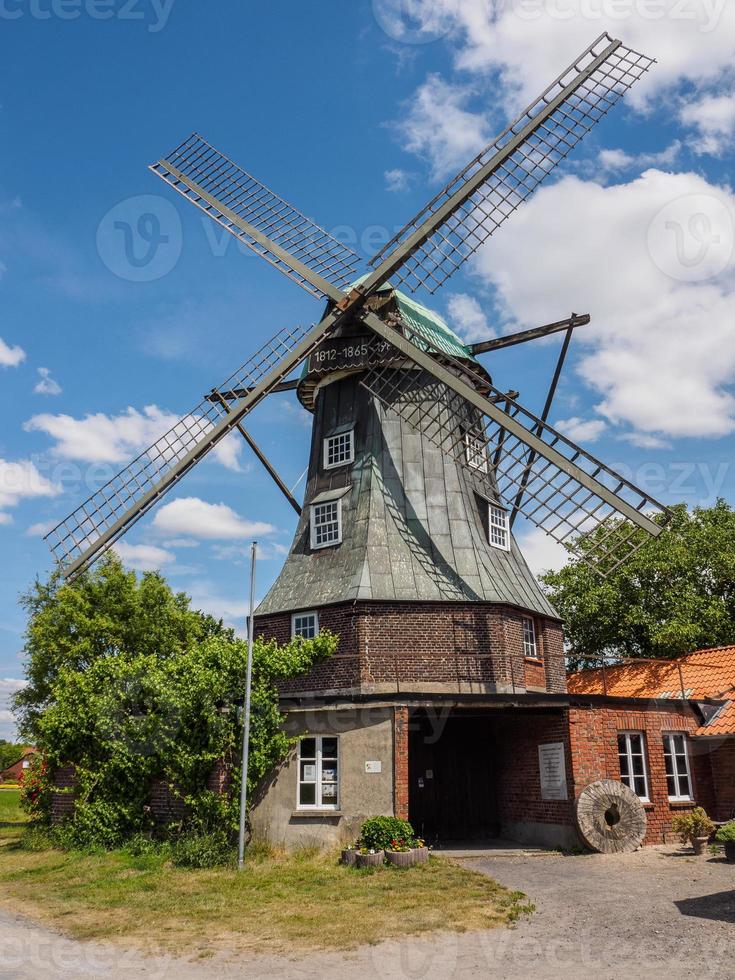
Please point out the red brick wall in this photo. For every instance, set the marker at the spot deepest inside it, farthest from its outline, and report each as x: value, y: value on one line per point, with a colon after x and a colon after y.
x: 400, y: 762
x: 720, y: 759
x: 594, y: 746
x: 535, y: 673
x: 64, y: 782
x: 400, y: 644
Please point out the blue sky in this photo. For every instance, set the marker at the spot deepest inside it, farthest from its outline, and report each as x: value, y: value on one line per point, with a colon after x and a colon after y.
x: 356, y: 113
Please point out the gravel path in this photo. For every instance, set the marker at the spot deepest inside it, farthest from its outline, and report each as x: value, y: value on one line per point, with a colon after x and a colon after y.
x: 655, y: 914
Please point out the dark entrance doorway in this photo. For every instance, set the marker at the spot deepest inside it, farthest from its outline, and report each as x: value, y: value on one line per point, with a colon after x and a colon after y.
x: 452, y: 778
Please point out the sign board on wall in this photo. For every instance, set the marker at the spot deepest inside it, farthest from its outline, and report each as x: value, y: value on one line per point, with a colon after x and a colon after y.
x: 374, y: 766
x: 553, y: 770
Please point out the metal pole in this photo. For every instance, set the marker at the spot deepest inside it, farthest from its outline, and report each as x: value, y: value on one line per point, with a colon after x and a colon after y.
x: 246, y: 721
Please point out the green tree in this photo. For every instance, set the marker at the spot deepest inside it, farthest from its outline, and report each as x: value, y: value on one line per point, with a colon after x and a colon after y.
x: 106, y: 612
x: 129, y: 684
x: 676, y: 594
x: 10, y: 752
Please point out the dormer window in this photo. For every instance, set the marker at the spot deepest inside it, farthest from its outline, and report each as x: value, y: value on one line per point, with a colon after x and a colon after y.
x: 498, y: 527
x: 326, y: 518
x: 339, y: 448
x: 475, y: 452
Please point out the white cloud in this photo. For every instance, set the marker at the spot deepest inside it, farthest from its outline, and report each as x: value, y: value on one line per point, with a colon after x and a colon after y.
x: 652, y: 263
x: 40, y: 529
x: 19, y: 480
x: 46, y: 385
x: 397, y: 180
x: 101, y: 438
x: 438, y: 127
x: 194, y: 517
x: 8, y: 687
x: 529, y: 42
x: 542, y: 552
x: 615, y: 160
x: 581, y: 430
x: 10, y: 356
x: 713, y: 116
x: 233, y: 611
x: 468, y: 318
x: 144, y: 557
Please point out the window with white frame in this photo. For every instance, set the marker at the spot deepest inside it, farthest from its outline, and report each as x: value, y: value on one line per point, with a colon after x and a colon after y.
x: 339, y: 449
x: 318, y: 773
x: 530, y: 647
x: 633, y: 769
x: 475, y: 452
x: 305, y: 624
x: 499, y: 527
x: 678, y: 776
x: 326, y: 523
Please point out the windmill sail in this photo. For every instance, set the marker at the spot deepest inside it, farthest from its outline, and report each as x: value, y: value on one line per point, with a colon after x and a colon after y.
x: 473, y: 205
x: 579, y: 501
x: 266, y: 223
x: 97, y: 523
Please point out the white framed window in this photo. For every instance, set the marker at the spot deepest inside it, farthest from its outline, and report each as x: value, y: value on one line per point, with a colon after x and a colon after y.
x: 633, y: 768
x: 318, y: 773
x: 305, y: 624
x: 530, y: 647
x: 339, y: 449
x: 499, y: 527
x: 678, y: 776
x: 475, y: 452
x: 326, y: 523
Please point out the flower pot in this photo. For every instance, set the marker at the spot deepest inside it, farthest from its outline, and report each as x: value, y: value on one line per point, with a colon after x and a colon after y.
x: 370, y: 860
x: 349, y: 856
x: 400, y: 859
x: 700, y: 845
x: 730, y: 850
x: 420, y: 855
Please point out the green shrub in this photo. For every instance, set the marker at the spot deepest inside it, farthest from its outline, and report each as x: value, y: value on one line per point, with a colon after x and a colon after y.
x: 726, y: 833
x: 378, y: 833
x: 696, y: 823
x: 202, y: 850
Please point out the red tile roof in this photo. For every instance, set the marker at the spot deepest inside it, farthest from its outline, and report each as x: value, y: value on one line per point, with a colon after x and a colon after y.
x: 703, y: 674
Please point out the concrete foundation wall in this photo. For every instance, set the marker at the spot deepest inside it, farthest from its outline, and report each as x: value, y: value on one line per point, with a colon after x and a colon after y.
x: 365, y: 735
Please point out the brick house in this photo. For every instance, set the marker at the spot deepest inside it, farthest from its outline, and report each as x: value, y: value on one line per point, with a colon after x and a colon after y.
x: 15, y: 772
x: 447, y: 701
x: 706, y: 677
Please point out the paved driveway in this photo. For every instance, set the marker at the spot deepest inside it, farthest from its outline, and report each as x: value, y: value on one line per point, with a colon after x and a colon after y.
x: 655, y: 914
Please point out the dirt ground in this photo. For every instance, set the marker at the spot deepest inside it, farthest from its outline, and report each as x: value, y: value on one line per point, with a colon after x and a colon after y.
x: 659, y: 913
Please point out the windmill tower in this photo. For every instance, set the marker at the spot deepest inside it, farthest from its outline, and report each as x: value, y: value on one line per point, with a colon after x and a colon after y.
x: 419, y: 468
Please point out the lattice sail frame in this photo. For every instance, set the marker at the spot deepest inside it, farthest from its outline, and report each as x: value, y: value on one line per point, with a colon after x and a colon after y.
x: 226, y: 192
x: 192, y: 436
x: 573, y: 104
x: 573, y: 514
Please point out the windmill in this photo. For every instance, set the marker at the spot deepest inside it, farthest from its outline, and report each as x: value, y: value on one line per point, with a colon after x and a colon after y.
x: 372, y: 335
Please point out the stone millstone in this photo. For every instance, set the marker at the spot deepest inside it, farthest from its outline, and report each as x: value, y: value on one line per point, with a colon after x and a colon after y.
x: 610, y: 817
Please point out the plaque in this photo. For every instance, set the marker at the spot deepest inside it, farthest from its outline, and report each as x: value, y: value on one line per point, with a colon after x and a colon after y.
x: 350, y: 352
x: 374, y: 766
x: 553, y: 771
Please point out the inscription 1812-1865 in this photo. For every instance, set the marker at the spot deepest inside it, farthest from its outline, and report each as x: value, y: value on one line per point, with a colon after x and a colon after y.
x: 351, y: 352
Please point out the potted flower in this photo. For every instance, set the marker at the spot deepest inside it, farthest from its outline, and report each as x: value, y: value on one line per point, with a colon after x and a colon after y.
x: 726, y: 835
x: 349, y: 854
x: 694, y: 828
x: 368, y: 857
x: 420, y: 851
x: 400, y: 853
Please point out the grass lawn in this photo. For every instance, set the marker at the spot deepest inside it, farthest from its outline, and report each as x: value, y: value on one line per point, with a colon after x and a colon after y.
x: 280, y: 903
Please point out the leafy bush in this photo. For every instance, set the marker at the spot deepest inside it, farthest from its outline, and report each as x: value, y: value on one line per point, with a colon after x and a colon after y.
x: 35, y: 790
x: 726, y: 833
x: 696, y: 823
x: 378, y: 833
x: 128, y: 685
x: 202, y: 850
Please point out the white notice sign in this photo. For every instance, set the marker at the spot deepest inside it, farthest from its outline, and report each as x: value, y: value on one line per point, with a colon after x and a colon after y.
x: 553, y: 771
x: 374, y: 766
